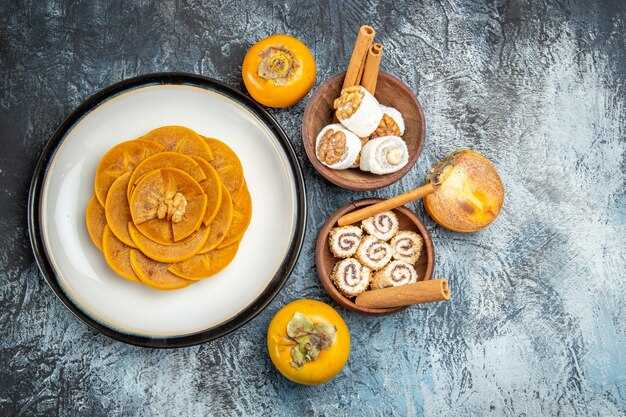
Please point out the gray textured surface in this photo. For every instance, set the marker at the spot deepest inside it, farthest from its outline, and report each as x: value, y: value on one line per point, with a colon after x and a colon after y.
x: 536, y: 325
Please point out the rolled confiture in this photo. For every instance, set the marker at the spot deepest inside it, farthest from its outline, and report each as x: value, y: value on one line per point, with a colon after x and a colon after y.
x: 374, y: 253
x: 391, y: 124
x: 407, y: 246
x: 336, y: 147
x: 344, y: 241
x: 396, y: 273
x: 384, y: 155
x: 351, y: 277
x: 382, y: 226
x: 358, y: 110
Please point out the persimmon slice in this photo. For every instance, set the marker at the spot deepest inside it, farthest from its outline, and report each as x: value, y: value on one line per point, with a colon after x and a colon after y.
x: 148, y: 196
x: 212, y: 187
x: 221, y: 224
x: 117, y: 211
x: 169, y: 253
x: 205, y: 265
x: 242, y: 214
x: 180, y: 139
x: 96, y: 220
x: 167, y: 160
x: 116, y: 253
x: 228, y: 166
x: 155, y: 274
x: 120, y: 159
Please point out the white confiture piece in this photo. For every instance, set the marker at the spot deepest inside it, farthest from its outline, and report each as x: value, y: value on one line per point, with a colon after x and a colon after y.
x: 353, y: 147
x: 366, y: 118
x: 384, y: 155
x: 395, y: 115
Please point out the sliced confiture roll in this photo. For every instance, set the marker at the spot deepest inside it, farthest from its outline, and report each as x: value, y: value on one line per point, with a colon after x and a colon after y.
x: 407, y: 246
x: 374, y: 253
x: 384, y: 155
x: 382, y: 226
x: 396, y: 273
x: 344, y: 241
x: 351, y: 277
x: 391, y: 124
x: 358, y: 110
x: 336, y: 147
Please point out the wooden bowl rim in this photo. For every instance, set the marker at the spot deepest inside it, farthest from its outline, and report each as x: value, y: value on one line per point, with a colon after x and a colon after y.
x: 322, y: 241
x: 382, y: 180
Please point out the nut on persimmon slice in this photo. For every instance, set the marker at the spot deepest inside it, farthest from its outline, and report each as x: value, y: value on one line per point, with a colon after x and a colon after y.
x: 120, y: 159
x: 212, y: 187
x: 166, y: 160
x: 96, y: 221
x: 470, y: 194
x: 228, y: 166
x: 169, y: 253
x: 221, y: 223
x: 155, y: 274
x: 205, y: 265
x: 117, y: 211
x: 242, y: 214
x: 116, y: 254
x: 180, y: 139
x: 148, y: 198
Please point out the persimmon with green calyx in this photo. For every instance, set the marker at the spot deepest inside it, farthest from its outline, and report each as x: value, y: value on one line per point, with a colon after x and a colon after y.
x: 308, y: 342
x: 278, y: 71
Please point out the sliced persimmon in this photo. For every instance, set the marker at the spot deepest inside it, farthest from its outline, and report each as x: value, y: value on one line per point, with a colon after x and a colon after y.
x: 96, y: 221
x: 221, y: 224
x: 180, y: 139
x: 117, y: 211
x: 116, y: 253
x: 155, y: 274
x: 228, y: 166
x: 169, y: 253
x: 166, y: 160
x: 212, y: 187
x: 242, y: 214
x: 148, y: 197
x: 205, y: 265
x: 120, y: 159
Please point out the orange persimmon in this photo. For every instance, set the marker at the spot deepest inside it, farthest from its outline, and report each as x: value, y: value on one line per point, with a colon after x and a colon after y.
x: 278, y: 71
x: 308, y: 342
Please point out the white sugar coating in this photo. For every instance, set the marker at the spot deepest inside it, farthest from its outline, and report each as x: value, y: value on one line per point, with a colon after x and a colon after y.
x: 353, y: 147
x: 407, y: 246
x: 395, y: 274
x: 366, y: 118
x: 395, y: 115
x: 382, y: 226
x: 375, y: 155
x: 344, y: 241
x: 374, y: 253
x: 351, y: 277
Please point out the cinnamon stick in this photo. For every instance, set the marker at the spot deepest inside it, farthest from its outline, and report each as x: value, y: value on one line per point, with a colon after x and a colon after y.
x: 389, y: 204
x: 357, y: 61
x: 418, y: 293
x: 372, y: 66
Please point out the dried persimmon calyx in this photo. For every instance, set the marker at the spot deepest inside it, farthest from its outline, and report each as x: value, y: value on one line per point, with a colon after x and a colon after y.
x: 311, y: 338
x: 278, y: 64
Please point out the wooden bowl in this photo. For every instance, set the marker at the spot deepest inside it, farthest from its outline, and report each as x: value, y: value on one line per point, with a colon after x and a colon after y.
x: 325, y: 260
x: 390, y: 91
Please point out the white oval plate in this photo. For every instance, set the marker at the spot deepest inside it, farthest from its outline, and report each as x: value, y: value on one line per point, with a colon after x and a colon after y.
x: 134, y: 313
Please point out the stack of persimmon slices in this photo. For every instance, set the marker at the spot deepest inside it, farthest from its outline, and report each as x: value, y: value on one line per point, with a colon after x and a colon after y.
x: 169, y: 208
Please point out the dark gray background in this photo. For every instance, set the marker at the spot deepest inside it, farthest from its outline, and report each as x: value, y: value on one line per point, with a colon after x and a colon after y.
x: 536, y: 324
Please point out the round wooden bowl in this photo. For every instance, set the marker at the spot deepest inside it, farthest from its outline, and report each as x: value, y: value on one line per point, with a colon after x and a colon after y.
x: 390, y: 91
x: 325, y: 260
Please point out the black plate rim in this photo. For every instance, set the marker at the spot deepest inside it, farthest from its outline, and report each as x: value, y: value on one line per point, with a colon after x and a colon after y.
x: 262, y: 300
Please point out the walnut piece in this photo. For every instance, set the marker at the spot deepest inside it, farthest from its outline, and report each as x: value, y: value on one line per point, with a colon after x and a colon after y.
x: 172, y: 207
x: 349, y: 101
x: 386, y: 127
x: 332, y: 146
